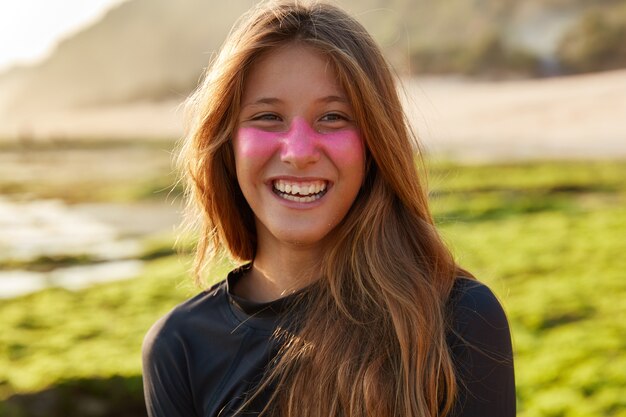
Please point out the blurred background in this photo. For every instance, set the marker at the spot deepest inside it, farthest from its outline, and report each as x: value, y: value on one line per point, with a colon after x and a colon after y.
x: 521, y: 107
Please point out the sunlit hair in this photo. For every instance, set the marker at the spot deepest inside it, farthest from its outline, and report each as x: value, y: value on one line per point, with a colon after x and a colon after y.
x: 373, y: 339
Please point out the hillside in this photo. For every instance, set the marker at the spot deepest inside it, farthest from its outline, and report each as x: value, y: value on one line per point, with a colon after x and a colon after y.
x: 140, y: 49
x: 151, y: 50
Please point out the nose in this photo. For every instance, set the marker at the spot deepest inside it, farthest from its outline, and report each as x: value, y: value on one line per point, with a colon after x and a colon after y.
x: 300, y: 145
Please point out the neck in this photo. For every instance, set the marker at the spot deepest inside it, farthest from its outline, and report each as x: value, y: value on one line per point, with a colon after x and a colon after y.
x: 279, y: 271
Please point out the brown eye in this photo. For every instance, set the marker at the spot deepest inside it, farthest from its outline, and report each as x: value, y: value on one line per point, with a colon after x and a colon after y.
x: 271, y: 117
x: 333, y: 117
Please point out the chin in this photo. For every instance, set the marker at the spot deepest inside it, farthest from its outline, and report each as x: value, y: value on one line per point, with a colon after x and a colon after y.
x: 302, y: 238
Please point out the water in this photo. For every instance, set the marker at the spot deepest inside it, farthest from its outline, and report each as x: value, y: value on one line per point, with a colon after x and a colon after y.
x: 33, y: 229
x: 106, y: 234
x: 14, y: 283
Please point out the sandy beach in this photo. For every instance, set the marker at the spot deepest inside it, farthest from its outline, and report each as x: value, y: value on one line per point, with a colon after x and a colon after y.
x: 566, y: 117
x: 582, y: 116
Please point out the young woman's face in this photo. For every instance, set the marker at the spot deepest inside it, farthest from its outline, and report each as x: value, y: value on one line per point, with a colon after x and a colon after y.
x: 299, y: 156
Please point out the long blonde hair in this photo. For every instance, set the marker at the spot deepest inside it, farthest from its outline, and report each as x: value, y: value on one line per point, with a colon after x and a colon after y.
x: 373, y: 339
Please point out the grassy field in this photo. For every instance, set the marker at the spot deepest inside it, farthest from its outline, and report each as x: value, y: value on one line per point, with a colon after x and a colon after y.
x: 548, y: 237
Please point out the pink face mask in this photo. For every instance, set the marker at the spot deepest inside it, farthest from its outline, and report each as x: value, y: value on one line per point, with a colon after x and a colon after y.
x: 301, y: 145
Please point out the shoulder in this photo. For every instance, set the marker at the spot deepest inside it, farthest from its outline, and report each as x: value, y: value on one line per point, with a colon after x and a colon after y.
x: 172, y: 330
x: 480, y: 344
x: 473, y: 307
x: 167, y: 349
x: 478, y: 331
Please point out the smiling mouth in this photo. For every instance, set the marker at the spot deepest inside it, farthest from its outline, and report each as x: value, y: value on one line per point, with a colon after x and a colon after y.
x: 301, y: 191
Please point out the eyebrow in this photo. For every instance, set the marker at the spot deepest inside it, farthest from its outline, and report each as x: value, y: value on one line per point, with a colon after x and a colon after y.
x: 275, y: 100
x: 264, y: 100
x: 331, y: 99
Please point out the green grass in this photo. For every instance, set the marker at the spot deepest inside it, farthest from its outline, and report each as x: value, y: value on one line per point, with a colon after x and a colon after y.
x: 550, y: 240
x: 547, y: 237
x: 59, y: 334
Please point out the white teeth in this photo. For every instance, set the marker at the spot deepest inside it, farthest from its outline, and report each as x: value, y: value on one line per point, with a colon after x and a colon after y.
x: 300, y: 199
x: 303, y: 192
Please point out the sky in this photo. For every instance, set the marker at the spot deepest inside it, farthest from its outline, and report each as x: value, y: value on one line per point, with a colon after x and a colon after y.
x: 29, y: 29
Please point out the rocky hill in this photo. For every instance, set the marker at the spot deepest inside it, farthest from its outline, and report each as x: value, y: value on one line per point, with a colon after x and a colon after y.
x: 157, y: 49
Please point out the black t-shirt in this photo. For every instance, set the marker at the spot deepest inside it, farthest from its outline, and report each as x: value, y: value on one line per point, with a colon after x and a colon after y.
x: 202, y: 358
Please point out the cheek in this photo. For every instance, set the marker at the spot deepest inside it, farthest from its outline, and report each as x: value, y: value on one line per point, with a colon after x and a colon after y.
x: 345, y: 148
x: 253, y: 146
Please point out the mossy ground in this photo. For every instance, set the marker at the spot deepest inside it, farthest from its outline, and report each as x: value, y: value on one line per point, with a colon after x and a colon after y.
x: 547, y: 237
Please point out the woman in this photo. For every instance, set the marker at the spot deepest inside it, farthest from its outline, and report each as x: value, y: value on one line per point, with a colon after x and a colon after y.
x: 301, y: 163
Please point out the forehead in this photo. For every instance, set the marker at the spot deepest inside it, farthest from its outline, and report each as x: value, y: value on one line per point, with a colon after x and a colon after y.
x: 290, y: 70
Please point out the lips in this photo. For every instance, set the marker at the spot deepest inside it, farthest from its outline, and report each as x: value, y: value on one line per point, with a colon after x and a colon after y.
x: 300, y: 191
